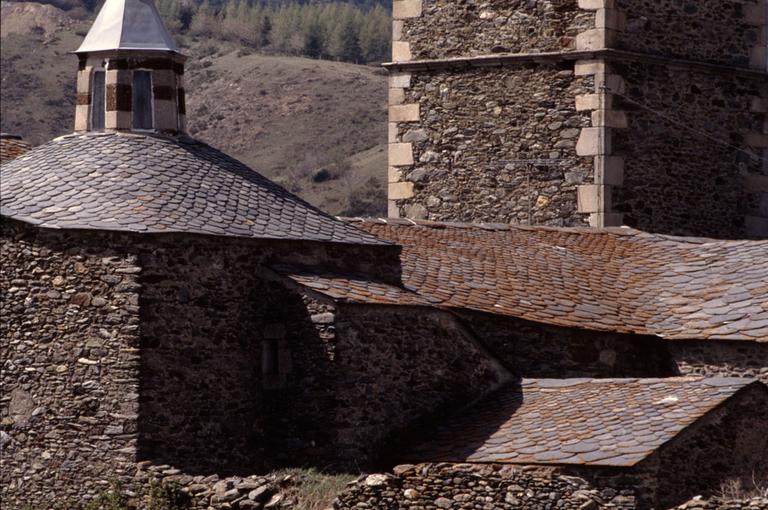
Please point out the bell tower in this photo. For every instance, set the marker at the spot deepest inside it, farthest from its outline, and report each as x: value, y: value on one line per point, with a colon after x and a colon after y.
x: 130, y: 75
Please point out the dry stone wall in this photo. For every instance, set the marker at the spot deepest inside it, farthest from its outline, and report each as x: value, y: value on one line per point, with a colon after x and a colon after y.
x: 493, y: 144
x: 723, y: 32
x: 681, y: 182
x: 70, y: 364
x: 721, y: 358
x: 475, y: 486
x: 452, y: 29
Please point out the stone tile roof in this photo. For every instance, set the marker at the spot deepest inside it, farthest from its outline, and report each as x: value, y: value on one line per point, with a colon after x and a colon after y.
x: 143, y: 183
x: 12, y: 148
x: 601, y: 422
x: 618, y: 280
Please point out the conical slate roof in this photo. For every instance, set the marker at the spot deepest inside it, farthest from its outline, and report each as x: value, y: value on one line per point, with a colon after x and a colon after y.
x: 153, y: 184
x: 128, y: 25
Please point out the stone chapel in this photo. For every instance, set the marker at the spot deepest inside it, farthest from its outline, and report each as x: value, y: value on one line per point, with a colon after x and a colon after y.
x: 165, y: 307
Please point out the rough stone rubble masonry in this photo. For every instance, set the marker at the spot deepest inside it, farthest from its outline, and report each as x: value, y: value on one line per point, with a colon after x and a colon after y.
x: 654, y: 152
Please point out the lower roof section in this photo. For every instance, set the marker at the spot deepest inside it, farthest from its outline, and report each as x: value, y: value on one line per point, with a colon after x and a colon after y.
x: 596, y: 422
x: 619, y: 279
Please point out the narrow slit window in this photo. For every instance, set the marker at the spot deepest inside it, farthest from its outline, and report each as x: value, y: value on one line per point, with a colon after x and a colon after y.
x: 98, y: 101
x: 142, y: 100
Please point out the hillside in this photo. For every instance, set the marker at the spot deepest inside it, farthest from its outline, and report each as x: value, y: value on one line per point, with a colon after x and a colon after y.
x: 317, y: 127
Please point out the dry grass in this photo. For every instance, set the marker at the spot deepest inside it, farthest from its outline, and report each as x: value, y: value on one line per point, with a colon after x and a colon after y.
x: 312, y: 490
x: 736, y: 489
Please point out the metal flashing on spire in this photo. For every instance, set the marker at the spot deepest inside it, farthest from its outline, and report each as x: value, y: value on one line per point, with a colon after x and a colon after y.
x: 128, y: 25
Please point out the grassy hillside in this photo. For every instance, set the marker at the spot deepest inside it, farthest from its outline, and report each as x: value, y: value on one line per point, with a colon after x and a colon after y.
x: 317, y: 127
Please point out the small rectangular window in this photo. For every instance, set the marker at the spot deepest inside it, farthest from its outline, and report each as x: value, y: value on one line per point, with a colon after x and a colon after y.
x: 270, y: 357
x: 98, y: 94
x: 142, y: 100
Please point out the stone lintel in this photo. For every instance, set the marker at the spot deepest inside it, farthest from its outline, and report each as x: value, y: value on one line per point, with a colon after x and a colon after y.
x: 400, y: 154
x: 593, y: 198
x: 400, y: 190
x: 594, y: 141
x: 609, y: 118
x: 404, y: 113
x: 593, y: 5
x: 609, y: 170
x: 400, y: 80
x: 401, y: 51
x: 402, y: 9
x: 396, y: 96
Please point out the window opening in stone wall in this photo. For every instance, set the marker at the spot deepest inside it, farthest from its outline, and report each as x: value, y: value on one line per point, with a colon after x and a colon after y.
x: 98, y: 100
x: 270, y: 357
x: 142, y: 100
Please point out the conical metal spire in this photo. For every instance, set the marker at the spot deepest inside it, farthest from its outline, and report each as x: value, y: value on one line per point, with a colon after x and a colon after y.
x: 128, y: 25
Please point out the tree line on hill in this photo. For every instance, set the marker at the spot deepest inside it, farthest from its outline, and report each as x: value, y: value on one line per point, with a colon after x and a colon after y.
x: 348, y: 31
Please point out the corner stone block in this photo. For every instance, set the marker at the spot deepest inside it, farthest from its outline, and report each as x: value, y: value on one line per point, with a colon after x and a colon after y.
x: 757, y: 140
x: 394, y: 175
x: 400, y: 190
x: 397, y: 30
x: 594, y: 141
x: 401, y: 51
x: 612, y: 19
x: 117, y: 119
x: 756, y: 226
x: 586, y: 102
x: 596, y: 39
x: 756, y: 14
x: 610, y: 83
x: 604, y: 219
x: 593, y: 198
x: 400, y: 154
x: 117, y: 77
x: 399, y: 80
x: 609, y: 170
x: 392, y: 132
x: 404, y: 113
x: 392, y: 210
x: 593, y: 5
x: 82, y: 112
x: 609, y: 118
x: 84, y: 81
x: 396, y: 96
x: 758, y: 58
x: 402, y: 9
x: 588, y: 67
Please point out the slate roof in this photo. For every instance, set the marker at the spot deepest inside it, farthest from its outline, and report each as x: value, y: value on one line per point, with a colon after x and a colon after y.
x: 12, y: 148
x: 128, y: 24
x: 620, y: 280
x: 144, y: 183
x: 599, y: 422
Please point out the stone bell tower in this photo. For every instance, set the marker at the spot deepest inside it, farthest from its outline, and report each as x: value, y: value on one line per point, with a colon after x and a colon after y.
x: 130, y: 74
x: 645, y: 113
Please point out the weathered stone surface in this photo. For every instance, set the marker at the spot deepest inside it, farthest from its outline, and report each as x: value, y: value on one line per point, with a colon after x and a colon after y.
x: 485, y: 152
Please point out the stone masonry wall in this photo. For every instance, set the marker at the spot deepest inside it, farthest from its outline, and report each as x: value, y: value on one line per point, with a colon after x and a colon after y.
x: 536, y: 350
x: 728, y: 444
x: 471, y: 486
x: 717, y: 31
x: 451, y: 29
x: 679, y: 182
x: 462, y: 133
x: 69, y: 365
x: 721, y: 358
